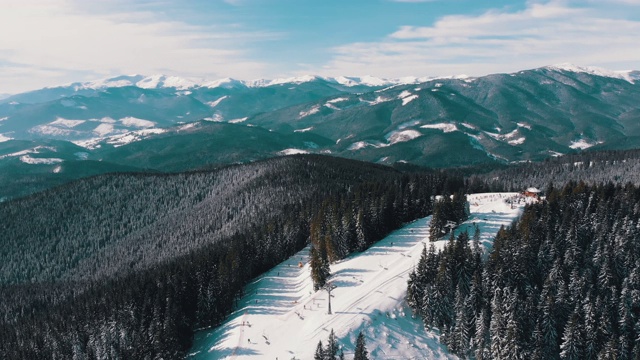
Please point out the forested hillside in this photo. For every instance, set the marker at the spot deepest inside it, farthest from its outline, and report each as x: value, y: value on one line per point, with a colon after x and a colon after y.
x: 561, y: 283
x: 590, y: 167
x: 127, y: 266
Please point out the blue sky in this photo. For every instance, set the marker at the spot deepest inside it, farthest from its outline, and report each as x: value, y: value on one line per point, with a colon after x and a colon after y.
x: 50, y: 42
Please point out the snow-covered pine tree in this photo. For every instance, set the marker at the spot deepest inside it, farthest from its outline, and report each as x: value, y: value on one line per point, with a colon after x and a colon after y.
x: 332, y: 347
x: 361, y: 352
x: 319, y: 354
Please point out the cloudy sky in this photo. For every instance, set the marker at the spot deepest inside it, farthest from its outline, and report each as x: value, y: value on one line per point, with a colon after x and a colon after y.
x: 51, y: 42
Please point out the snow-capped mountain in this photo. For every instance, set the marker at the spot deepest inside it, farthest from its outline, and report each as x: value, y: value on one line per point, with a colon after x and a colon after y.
x: 436, y: 122
x: 628, y: 75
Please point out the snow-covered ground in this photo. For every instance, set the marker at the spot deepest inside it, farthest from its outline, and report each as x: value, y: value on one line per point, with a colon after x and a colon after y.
x: 281, y: 317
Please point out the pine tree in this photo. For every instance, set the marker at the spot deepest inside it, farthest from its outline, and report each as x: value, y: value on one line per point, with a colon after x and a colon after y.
x: 497, y: 326
x: 361, y: 352
x: 332, y: 347
x: 481, y: 340
x: 572, y: 340
x: 319, y: 354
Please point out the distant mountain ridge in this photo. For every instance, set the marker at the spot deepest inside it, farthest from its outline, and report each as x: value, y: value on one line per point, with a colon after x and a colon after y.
x: 164, y: 123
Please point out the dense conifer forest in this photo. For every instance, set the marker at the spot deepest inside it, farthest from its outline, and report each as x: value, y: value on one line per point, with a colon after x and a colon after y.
x: 561, y: 283
x: 594, y: 168
x: 128, y: 265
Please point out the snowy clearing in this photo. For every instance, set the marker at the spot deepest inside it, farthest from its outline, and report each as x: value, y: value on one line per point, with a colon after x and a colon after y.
x: 216, y: 102
x: 282, y: 317
x: 292, y: 152
x: 66, y: 122
x: 363, y: 144
x: 52, y: 131
x: 518, y: 141
x: 336, y: 100
x: 408, y: 99
x: 237, y: 121
x: 311, y: 111
x: 135, y: 122
x: 402, y: 136
x: 103, y: 129
x: 39, y: 161
x: 581, y: 144
x: 445, y: 127
x: 377, y: 101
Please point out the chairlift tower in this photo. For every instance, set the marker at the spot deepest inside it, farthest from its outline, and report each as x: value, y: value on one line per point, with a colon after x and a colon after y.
x: 329, y: 288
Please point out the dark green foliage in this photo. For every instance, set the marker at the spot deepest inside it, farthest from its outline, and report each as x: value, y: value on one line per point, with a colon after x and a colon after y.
x: 558, y: 284
x: 361, y: 348
x: 319, y: 354
x: 126, y: 266
x: 448, y: 212
x: 368, y: 212
x: 330, y: 352
x: 592, y: 167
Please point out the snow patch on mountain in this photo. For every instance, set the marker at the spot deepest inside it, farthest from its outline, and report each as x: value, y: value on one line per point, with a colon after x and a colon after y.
x: 593, y: 70
x: 292, y: 152
x: 237, y: 121
x: 104, y: 120
x: 67, y: 123
x: 363, y: 144
x: 303, y: 130
x: 136, y: 122
x: 445, y: 127
x: 39, y: 161
x: 103, y: 129
x: 118, y: 139
x: 188, y: 126
x: 49, y: 130
x: 377, y: 100
x: 337, y: 100
x: 216, y: 102
x: 364, y: 80
x: 4, y: 138
x: 523, y: 125
x: 315, y: 109
x: 133, y: 136
x: 293, y: 80
x: 512, y: 135
x: 226, y: 83
x: 163, y: 81
x: 408, y: 99
x: 582, y: 144
x: 402, y: 136
x: 518, y: 141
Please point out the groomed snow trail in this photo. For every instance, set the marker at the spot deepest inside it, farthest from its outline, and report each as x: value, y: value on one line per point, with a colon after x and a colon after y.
x: 281, y: 317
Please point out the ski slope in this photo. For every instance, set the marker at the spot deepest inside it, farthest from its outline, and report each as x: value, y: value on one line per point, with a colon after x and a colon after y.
x: 281, y: 317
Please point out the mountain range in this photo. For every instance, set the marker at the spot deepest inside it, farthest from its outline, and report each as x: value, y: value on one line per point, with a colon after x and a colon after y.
x: 165, y: 123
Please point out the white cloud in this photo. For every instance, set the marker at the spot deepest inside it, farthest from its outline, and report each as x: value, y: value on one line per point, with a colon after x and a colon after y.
x: 497, y: 41
x: 55, y: 40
